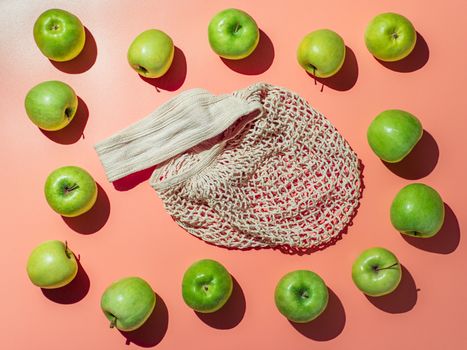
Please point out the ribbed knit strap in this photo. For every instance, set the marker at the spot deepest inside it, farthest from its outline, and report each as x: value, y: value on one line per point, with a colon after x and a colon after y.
x: 179, y: 124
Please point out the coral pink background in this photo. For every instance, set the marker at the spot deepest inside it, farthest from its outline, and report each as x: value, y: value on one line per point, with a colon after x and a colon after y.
x: 128, y: 232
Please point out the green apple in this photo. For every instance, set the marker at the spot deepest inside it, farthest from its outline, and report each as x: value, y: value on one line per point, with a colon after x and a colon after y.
x: 321, y: 53
x: 206, y: 286
x: 52, y: 265
x: 151, y: 53
x: 393, y: 134
x: 418, y: 211
x: 390, y: 37
x: 128, y: 303
x: 233, y: 34
x: 51, y: 105
x: 376, y: 272
x: 70, y: 191
x: 301, y: 296
x: 59, y: 35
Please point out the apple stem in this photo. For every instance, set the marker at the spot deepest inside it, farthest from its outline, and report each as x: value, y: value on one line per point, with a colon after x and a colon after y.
x: 237, y: 27
x: 313, y: 67
x: 67, y: 252
x: 72, y: 188
x: 113, y: 322
x: 68, y: 113
x: 387, y: 267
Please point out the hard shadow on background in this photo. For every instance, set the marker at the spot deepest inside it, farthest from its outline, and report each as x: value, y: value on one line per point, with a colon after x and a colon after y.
x: 231, y: 314
x: 74, y: 131
x: 174, y: 78
x: 153, y: 330
x: 445, y: 241
x: 258, y: 62
x: 93, y: 220
x: 401, y: 300
x: 328, y: 325
x: 345, y: 78
x: 414, y: 61
x: 84, y: 61
x: 420, y: 162
x: 132, y: 180
x: 73, y: 292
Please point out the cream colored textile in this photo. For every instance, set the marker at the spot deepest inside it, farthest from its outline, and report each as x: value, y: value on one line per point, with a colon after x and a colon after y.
x: 255, y: 168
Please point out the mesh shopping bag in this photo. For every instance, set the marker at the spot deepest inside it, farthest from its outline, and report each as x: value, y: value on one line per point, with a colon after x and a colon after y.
x: 256, y: 168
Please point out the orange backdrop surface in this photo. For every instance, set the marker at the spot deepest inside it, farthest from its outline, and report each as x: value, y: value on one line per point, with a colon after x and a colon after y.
x: 129, y: 233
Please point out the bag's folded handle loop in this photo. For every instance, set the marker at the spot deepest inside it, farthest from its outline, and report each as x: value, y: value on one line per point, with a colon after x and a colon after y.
x: 179, y: 124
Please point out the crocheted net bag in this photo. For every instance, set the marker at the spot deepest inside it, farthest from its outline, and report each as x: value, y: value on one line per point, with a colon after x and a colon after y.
x: 256, y: 168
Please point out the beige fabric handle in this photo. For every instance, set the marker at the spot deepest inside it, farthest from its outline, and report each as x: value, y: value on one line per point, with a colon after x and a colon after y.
x: 184, y: 121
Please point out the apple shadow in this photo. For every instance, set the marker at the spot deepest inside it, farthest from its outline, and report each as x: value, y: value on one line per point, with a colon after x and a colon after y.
x: 174, y: 78
x: 414, y: 61
x: 445, y: 241
x: 93, y: 220
x: 402, y: 299
x: 73, y: 292
x: 153, y: 330
x: 84, y: 61
x: 74, y: 131
x: 131, y: 181
x: 258, y: 62
x: 420, y: 161
x: 328, y: 325
x: 345, y: 78
x: 231, y: 314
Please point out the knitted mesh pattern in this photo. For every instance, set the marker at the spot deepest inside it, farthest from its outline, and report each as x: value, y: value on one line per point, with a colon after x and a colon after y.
x: 285, y: 177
